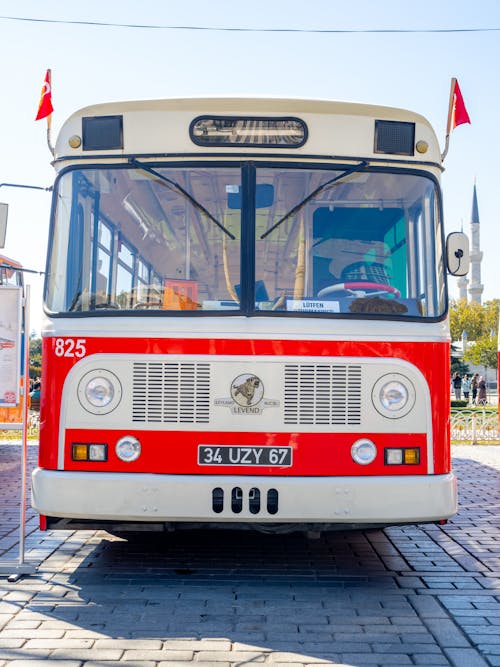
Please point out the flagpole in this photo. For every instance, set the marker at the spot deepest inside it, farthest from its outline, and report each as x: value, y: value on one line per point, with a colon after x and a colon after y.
x: 49, y: 138
x: 450, y: 114
x: 49, y: 118
x: 45, y: 108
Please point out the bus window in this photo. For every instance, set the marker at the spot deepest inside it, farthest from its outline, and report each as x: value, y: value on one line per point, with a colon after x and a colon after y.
x: 329, y: 241
x: 9, y: 276
x: 160, y: 245
x: 348, y: 249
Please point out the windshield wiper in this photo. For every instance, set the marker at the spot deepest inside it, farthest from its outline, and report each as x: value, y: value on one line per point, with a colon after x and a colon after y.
x: 20, y: 268
x: 313, y: 194
x: 184, y: 193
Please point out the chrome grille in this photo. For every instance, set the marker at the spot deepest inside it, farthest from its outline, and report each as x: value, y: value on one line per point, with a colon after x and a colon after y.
x: 171, y: 392
x: 328, y: 394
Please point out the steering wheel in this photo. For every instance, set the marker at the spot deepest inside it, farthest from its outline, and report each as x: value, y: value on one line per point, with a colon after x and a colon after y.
x: 112, y: 305
x: 359, y: 290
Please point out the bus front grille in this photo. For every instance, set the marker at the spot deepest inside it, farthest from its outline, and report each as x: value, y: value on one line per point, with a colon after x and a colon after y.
x: 171, y: 392
x: 328, y: 394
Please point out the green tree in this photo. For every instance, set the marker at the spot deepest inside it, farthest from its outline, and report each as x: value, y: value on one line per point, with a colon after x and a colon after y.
x: 483, y: 352
x: 491, y: 310
x: 457, y: 362
x: 35, y: 356
x: 480, y: 323
x: 475, y: 319
x: 466, y: 317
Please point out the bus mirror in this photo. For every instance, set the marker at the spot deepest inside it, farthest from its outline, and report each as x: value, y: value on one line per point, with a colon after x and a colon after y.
x: 457, y: 254
x: 264, y: 195
x: 4, y: 209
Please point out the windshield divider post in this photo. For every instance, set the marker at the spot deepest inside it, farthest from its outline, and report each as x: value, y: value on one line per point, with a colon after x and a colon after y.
x: 248, y: 178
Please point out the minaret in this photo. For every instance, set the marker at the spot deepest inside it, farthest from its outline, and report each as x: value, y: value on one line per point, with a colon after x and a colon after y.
x: 462, y: 283
x: 475, y: 288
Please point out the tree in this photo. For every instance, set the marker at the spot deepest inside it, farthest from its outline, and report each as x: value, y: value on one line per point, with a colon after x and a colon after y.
x: 466, y: 317
x: 35, y: 356
x: 475, y: 319
x: 491, y: 310
x: 457, y: 362
x: 483, y: 352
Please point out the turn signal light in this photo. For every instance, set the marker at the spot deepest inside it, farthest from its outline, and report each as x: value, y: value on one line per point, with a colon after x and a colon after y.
x: 408, y: 456
x: 84, y: 451
x: 411, y: 456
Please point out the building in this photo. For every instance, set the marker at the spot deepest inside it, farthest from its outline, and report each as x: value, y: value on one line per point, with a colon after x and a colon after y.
x: 471, y: 288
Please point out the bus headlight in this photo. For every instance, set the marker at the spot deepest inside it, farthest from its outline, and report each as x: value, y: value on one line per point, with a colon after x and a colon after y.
x: 363, y: 451
x: 99, y: 392
x: 393, y: 395
x: 128, y: 448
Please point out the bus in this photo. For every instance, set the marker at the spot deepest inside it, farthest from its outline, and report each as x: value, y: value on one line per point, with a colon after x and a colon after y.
x: 11, y: 275
x: 246, y: 319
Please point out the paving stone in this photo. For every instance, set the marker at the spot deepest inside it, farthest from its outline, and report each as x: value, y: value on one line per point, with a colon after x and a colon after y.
x: 286, y: 657
x: 374, y: 659
x: 43, y: 663
x: 144, y: 654
x: 466, y: 658
x: 198, y: 663
x: 85, y: 654
x: 430, y: 660
x: 57, y: 643
x: 11, y: 643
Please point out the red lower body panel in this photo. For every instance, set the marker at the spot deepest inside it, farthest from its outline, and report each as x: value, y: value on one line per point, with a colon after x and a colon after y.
x: 176, y: 452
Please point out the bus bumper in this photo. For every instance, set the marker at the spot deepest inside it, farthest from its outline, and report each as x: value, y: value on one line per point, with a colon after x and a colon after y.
x: 138, y: 497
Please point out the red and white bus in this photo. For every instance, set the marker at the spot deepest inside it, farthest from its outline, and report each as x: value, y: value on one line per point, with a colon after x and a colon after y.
x: 11, y: 274
x: 246, y: 322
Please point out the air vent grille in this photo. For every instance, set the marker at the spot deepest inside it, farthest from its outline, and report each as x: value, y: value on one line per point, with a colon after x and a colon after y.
x: 171, y: 392
x: 322, y: 394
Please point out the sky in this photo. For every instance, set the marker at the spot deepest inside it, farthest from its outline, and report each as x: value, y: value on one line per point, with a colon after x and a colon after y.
x: 96, y: 63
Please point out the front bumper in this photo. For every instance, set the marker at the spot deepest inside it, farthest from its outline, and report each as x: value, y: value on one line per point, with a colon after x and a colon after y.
x: 156, y: 498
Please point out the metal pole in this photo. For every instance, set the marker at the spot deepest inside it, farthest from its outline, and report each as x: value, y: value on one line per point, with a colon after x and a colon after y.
x: 17, y: 568
x: 24, y: 463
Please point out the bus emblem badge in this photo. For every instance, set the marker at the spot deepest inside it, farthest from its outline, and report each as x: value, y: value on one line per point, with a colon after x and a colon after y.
x: 247, y: 390
x: 246, y: 396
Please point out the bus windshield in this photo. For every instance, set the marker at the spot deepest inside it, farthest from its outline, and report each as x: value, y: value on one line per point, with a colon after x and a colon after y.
x: 246, y: 238
x: 10, y: 272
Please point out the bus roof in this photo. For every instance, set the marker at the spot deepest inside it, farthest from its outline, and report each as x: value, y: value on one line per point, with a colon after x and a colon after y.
x: 12, y: 262
x: 335, y: 128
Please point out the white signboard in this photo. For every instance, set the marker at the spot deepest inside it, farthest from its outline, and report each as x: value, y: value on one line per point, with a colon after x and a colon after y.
x: 10, y: 345
x: 312, y: 306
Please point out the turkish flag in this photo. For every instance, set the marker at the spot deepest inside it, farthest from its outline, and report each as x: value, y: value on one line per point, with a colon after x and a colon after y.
x: 45, y: 107
x: 459, y: 113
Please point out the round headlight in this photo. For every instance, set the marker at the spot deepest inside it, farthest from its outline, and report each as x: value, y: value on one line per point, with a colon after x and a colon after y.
x: 393, y: 395
x: 99, y: 391
x: 128, y: 448
x: 363, y: 451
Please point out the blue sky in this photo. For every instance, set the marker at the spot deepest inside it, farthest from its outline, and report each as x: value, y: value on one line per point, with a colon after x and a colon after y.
x: 95, y: 63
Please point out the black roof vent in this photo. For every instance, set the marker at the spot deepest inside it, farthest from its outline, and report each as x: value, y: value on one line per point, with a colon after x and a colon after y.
x: 394, y: 137
x: 101, y: 133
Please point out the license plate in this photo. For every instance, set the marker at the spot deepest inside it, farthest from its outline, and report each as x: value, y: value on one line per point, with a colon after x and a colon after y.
x: 213, y: 455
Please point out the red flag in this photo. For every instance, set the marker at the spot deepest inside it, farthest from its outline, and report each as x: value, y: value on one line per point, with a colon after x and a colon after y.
x: 45, y: 107
x: 459, y: 112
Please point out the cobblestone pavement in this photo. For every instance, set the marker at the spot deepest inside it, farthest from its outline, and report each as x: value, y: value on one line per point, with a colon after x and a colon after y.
x: 420, y: 595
